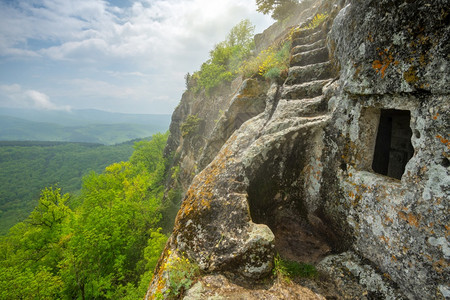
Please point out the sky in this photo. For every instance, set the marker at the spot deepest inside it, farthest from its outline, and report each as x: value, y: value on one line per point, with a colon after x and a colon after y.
x: 126, y: 56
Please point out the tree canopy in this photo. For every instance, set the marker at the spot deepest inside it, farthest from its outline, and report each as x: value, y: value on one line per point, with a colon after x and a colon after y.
x: 279, y: 9
x: 27, y: 167
x: 106, y: 248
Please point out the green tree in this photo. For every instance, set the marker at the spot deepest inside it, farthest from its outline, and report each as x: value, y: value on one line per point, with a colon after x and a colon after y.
x: 149, y: 155
x: 279, y: 9
x: 33, y: 249
x: 118, y: 220
x: 152, y: 252
x: 51, y: 210
x: 115, y: 222
x: 241, y: 34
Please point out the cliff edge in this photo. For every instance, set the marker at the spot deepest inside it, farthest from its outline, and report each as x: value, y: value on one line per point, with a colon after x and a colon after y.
x: 343, y: 164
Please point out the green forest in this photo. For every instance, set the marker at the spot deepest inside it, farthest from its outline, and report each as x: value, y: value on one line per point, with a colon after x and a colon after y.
x: 104, y: 248
x: 27, y: 167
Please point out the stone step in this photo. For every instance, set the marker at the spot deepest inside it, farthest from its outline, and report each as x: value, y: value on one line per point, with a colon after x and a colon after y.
x: 319, y: 71
x: 304, y: 90
x: 308, y: 107
x: 314, y: 106
x: 309, y: 47
x: 301, y: 33
x: 312, y: 38
x: 310, y: 57
x: 293, y: 124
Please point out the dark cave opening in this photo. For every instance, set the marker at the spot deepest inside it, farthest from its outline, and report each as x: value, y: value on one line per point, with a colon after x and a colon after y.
x: 276, y: 200
x: 393, y: 148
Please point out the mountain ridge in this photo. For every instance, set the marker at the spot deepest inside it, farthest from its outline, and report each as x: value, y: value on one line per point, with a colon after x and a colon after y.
x: 80, y: 116
x: 90, y: 126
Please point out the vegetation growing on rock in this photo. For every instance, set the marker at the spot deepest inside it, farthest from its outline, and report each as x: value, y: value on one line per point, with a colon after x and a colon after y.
x: 190, y: 126
x: 287, y: 270
x: 270, y: 63
x: 316, y: 21
x: 225, y: 58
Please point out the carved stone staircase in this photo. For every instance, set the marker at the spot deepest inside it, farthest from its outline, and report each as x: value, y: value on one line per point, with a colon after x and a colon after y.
x: 310, y: 69
x: 302, y: 94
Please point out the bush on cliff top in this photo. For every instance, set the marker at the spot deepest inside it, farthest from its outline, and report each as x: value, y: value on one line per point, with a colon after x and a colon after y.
x: 225, y: 59
x: 270, y: 63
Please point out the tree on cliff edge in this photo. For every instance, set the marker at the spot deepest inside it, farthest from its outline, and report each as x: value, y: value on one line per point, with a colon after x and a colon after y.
x: 279, y: 9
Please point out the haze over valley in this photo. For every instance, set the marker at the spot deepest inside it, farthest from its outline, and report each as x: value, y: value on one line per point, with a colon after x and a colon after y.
x: 89, y: 126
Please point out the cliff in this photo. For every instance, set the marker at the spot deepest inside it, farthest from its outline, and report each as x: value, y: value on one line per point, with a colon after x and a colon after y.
x: 344, y: 164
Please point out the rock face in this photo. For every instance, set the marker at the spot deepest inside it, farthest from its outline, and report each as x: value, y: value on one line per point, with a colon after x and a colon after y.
x: 387, y: 148
x: 349, y: 155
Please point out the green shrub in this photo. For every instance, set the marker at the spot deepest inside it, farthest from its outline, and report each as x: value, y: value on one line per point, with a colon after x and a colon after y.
x: 182, y: 274
x: 288, y: 270
x: 303, y: 270
x: 190, y: 126
x: 279, y: 269
x: 273, y: 73
x: 212, y: 74
x: 225, y: 59
x: 270, y: 63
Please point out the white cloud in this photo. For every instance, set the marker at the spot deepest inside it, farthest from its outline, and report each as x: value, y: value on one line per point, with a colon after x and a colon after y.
x: 15, y: 96
x: 87, y: 50
x: 10, y: 90
x: 93, y: 29
x: 164, y: 37
x: 40, y: 100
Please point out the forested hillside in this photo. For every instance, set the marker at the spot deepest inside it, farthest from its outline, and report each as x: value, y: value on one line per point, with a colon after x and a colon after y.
x: 106, y: 248
x: 27, y: 167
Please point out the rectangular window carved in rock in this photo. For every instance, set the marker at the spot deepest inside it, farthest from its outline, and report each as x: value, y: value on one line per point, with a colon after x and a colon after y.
x: 393, y: 148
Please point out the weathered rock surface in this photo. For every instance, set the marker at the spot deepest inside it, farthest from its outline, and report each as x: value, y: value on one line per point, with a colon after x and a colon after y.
x: 394, y: 220
x: 218, y: 287
x: 350, y: 155
x: 355, y: 279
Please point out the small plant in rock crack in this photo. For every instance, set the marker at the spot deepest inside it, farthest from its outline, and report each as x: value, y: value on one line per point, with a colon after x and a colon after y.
x: 279, y: 269
x: 288, y: 270
x: 182, y: 274
x: 190, y: 126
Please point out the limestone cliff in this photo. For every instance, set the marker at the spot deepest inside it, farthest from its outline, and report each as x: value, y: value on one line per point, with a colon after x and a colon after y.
x: 344, y: 164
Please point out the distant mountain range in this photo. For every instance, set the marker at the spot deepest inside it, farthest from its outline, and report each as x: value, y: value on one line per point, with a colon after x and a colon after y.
x: 92, y: 126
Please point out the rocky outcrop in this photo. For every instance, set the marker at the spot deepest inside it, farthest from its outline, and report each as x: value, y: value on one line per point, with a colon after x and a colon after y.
x: 185, y: 150
x: 344, y: 165
x: 386, y: 154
